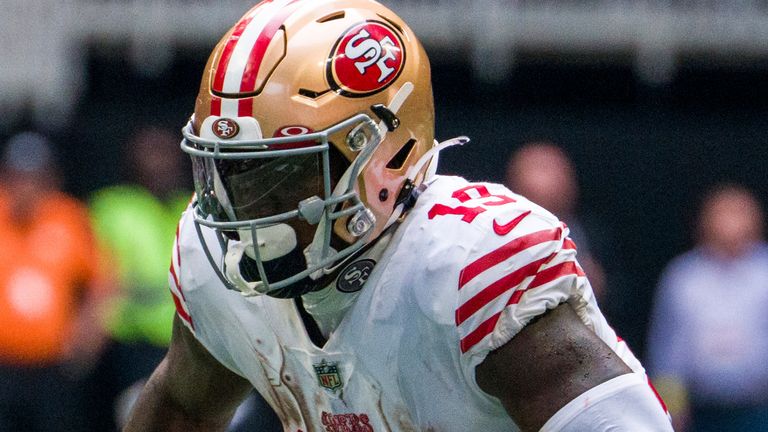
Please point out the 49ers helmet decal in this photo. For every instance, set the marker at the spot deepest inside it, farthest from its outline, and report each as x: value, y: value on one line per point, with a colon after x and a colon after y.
x: 366, y: 59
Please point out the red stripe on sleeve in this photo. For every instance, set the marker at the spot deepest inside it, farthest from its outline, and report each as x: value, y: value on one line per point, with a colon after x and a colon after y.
x: 489, y: 325
x: 483, y: 330
x: 504, y: 252
x: 545, y: 276
x: 516, y: 296
x: 494, y: 290
x: 180, y: 310
x: 178, y: 258
x: 555, y: 272
x: 661, y: 401
x: 176, y: 281
x: 579, y: 271
x: 569, y: 244
x: 176, y: 301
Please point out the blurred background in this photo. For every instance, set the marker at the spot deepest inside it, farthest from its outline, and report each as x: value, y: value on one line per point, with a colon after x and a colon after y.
x: 645, y: 106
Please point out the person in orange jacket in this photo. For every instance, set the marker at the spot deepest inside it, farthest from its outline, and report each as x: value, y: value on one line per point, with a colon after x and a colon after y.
x: 50, y: 293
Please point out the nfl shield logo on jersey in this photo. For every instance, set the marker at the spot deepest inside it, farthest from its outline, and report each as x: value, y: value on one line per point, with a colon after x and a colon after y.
x: 328, y: 375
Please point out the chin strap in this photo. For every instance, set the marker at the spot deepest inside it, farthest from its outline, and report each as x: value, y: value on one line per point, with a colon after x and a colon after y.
x: 273, y: 242
x: 431, y: 156
x: 235, y: 252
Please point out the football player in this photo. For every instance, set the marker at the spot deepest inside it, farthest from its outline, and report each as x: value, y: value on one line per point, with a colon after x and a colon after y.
x: 324, y: 263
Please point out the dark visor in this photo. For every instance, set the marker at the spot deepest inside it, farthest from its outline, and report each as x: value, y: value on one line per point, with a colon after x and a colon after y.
x: 232, y: 190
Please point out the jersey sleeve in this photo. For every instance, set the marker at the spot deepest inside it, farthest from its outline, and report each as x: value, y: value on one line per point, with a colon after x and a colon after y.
x: 174, y: 282
x: 506, y: 261
x: 502, y: 289
x: 521, y: 263
x: 509, y: 280
x: 509, y: 260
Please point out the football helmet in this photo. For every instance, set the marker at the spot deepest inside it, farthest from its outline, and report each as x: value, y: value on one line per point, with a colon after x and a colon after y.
x: 313, y: 123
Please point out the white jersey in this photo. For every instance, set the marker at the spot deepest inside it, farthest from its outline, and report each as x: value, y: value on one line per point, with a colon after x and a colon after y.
x: 468, y: 268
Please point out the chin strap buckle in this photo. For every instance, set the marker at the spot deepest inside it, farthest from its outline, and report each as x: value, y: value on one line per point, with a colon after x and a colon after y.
x: 387, y: 116
x: 407, y: 196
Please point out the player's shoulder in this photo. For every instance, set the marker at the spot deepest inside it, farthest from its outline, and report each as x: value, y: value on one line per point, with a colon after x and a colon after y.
x: 185, y: 231
x: 190, y: 256
x: 190, y: 268
x: 456, y: 222
x: 458, y: 230
x: 202, y: 301
x: 483, y: 213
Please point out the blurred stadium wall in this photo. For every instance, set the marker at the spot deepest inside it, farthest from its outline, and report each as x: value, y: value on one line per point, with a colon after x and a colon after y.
x: 653, y: 99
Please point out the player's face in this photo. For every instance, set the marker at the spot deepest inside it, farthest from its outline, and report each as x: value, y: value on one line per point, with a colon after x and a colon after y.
x: 252, y: 189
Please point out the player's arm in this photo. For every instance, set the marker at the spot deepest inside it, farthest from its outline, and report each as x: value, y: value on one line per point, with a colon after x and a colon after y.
x: 189, y: 391
x: 556, y: 359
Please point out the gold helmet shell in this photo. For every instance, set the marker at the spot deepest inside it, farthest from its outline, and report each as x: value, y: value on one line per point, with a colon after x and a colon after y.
x: 293, y: 76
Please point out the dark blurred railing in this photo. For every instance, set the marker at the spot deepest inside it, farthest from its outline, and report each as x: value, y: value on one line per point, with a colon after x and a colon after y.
x: 43, y: 40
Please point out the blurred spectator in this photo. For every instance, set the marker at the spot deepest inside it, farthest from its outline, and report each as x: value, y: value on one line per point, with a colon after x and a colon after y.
x: 708, y: 341
x: 135, y: 222
x: 541, y: 172
x: 49, y: 293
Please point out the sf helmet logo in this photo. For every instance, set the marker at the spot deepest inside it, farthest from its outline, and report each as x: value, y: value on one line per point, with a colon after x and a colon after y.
x: 372, y: 52
x: 355, y: 275
x: 225, y: 128
x: 366, y: 59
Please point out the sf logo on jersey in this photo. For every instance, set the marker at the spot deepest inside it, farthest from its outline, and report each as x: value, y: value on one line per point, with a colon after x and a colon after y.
x: 366, y: 59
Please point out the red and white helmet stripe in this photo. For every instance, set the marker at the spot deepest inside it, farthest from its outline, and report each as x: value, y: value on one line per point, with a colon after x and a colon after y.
x: 240, y: 61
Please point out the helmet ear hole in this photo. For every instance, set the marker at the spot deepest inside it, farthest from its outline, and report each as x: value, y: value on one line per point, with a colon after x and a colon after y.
x: 401, y: 156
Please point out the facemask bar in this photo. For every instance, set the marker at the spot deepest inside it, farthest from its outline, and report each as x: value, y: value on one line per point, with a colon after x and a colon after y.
x: 248, y: 149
